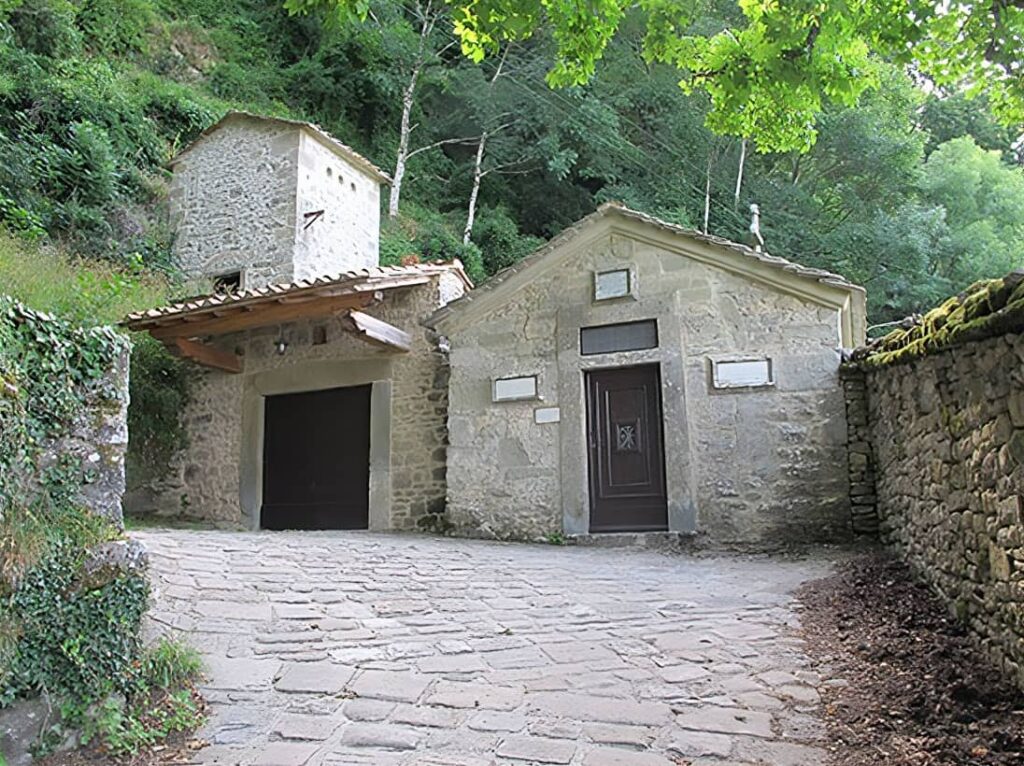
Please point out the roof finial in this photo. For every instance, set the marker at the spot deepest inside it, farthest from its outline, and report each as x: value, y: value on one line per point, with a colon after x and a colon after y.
x: 756, y: 240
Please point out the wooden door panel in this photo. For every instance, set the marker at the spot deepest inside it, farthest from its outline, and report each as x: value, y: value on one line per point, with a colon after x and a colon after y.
x: 627, y: 464
x: 316, y: 460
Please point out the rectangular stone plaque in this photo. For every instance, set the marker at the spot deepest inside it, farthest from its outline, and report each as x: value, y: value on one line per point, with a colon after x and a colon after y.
x: 742, y: 373
x: 611, y: 284
x: 515, y: 389
x: 547, y: 415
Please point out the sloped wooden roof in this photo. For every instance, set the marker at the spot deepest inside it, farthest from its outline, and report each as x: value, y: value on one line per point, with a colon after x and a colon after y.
x: 228, y: 312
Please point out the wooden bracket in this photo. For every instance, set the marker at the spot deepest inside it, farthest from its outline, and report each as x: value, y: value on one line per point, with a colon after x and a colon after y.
x: 377, y: 331
x: 208, y: 356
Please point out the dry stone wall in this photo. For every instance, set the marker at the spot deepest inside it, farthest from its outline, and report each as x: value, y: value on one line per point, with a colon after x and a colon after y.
x: 946, y: 432
x: 948, y: 435
x: 860, y: 457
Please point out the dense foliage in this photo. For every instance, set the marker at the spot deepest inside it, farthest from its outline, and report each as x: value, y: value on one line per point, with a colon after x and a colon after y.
x: 96, y: 95
x: 71, y: 636
x: 91, y: 292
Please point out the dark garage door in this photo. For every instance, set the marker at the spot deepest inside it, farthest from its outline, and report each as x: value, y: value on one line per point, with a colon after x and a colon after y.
x: 316, y: 460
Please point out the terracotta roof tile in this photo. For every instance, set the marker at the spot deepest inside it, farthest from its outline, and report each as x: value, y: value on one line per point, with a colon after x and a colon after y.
x: 382, y: 277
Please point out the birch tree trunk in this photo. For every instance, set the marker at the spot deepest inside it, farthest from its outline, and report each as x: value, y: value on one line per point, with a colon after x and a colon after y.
x: 739, y: 175
x: 478, y: 174
x: 408, y: 98
x: 427, y: 20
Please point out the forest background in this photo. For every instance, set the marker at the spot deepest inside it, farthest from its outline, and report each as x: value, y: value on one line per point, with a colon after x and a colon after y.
x: 914, y: 193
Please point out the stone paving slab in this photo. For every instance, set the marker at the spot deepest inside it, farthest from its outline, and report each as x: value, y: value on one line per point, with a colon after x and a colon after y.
x: 329, y: 649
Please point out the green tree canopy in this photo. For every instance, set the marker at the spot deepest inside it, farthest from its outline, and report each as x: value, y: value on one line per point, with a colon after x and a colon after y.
x: 771, y: 68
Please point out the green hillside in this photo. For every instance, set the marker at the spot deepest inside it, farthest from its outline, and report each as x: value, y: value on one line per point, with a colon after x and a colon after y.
x: 913, y: 195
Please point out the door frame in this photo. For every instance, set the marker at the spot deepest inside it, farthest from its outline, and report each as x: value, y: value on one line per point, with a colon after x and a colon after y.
x: 315, y: 376
x: 590, y: 452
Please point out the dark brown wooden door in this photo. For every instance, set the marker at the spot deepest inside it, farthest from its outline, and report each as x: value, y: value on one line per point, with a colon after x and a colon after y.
x: 316, y: 460
x: 627, y: 458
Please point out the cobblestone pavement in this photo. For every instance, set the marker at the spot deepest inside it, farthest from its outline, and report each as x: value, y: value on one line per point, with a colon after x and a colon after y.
x: 358, y: 648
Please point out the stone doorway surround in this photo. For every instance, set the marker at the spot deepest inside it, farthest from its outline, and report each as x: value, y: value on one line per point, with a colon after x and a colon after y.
x: 315, y: 376
x: 572, y: 368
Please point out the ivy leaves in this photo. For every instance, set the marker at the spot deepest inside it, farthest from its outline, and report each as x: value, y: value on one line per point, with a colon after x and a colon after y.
x: 47, y: 367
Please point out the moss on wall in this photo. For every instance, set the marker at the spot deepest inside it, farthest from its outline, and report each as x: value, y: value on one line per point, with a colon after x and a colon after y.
x: 984, y: 310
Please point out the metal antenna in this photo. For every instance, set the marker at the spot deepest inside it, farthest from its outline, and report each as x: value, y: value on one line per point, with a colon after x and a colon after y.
x: 756, y: 240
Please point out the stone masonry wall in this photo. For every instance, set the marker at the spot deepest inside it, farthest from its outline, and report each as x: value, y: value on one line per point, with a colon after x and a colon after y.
x: 205, y: 480
x: 947, y: 431
x: 232, y: 202
x: 860, y: 456
x: 346, y: 237
x: 755, y: 466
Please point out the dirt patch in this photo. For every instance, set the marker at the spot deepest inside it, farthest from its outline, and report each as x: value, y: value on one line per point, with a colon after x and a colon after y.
x: 909, y: 688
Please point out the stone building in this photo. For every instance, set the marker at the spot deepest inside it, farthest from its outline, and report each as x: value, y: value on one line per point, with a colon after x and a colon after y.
x: 318, y: 400
x: 634, y: 376
x: 629, y: 376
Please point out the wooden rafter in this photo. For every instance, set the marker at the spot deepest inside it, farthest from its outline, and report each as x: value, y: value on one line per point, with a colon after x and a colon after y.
x: 377, y: 331
x: 260, y: 315
x: 208, y: 356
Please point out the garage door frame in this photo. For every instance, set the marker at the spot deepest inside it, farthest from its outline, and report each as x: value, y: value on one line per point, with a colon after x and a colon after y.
x: 313, y: 376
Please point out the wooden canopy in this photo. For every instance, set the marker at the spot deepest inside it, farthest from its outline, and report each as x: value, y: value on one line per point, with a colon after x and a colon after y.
x: 183, y: 326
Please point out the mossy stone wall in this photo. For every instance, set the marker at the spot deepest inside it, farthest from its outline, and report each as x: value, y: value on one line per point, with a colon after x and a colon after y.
x: 945, y: 406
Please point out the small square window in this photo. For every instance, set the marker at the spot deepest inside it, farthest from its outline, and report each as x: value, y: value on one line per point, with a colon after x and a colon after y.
x: 612, y: 284
x: 515, y: 389
x: 742, y: 373
x: 225, y: 284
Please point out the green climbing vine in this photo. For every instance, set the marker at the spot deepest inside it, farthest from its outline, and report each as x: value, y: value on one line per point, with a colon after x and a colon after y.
x: 48, y: 369
x: 64, y: 631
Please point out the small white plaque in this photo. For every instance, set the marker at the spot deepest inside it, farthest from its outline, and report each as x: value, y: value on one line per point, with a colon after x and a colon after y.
x: 514, y: 389
x: 547, y: 415
x: 611, y: 284
x: 742, y: 373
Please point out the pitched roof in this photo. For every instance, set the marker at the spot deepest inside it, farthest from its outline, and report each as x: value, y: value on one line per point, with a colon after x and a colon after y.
x: 362, y: 281
x: 736, y: 257
x: 344, y: 151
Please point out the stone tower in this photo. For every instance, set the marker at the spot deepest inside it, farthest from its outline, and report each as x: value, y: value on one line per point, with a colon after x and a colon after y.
x: 261, y: 200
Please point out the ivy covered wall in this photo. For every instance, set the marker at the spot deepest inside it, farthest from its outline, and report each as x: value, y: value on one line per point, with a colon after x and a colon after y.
x: 63, y: 410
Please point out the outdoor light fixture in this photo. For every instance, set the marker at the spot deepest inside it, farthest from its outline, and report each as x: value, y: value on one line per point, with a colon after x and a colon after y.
x: 280, y: 345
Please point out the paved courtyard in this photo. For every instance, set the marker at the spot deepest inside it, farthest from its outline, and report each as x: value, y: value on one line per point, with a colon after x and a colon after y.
x: 357, y: 648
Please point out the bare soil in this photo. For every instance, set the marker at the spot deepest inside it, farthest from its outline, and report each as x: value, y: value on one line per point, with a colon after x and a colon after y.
x: 911, y: 689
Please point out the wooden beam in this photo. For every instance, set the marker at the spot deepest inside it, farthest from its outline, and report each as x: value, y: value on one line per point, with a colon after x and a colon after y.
x: 378, y: 332
x: 262, y: 315
x: 208, y: 356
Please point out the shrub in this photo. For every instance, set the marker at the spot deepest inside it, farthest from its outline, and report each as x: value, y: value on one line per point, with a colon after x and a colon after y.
x: 159, y: 391
x: 427, y: 236
x: 68, y: 631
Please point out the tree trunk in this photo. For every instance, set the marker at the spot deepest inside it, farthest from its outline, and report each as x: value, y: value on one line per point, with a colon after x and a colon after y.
x: 707, y: 194
x: 739, y: 175
x: 478, y: 174
x: 408, y: 98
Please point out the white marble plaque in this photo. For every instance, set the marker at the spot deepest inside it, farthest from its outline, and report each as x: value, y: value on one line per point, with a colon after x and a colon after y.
x: 611, y: 284
x: 547, y: 415
x: 513, y: 389
x: 742, y: 373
